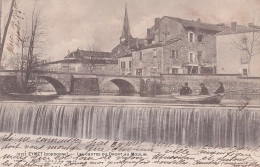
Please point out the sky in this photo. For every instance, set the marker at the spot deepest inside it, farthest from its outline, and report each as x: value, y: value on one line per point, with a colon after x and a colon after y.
x: 76, y: 24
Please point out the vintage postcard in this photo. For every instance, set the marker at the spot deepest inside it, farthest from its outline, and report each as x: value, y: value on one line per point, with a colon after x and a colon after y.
x: 117, y: 83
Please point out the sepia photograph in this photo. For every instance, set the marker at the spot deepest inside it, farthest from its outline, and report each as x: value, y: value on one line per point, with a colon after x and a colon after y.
x: 129, y: 83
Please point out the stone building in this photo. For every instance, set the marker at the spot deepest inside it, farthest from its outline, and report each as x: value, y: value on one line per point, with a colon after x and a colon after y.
x: 85, y: 62
x: 234, y: 49
x: 177, y: 46
x: 147, y: 60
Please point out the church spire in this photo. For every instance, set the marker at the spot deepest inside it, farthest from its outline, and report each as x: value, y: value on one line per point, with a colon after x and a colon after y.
x: 126, y: 29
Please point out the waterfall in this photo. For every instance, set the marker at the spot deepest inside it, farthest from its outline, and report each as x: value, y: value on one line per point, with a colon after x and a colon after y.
x: 210, y: 126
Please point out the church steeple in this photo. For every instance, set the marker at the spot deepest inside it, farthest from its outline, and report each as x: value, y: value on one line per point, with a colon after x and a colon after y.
x: 126, y: 29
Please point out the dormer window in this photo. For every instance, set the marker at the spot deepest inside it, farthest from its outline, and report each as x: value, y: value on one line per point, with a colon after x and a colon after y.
x: 191, y: 37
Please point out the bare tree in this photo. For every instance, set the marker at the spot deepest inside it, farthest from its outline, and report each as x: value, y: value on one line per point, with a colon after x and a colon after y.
x: 92, y: 50
x: 2, y: 43
x: 249, y: 45
x: 29, y: 59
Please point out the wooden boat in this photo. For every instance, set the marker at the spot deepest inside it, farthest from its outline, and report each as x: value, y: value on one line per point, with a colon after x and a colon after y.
x: 201, y: 99
x: 28, y: 97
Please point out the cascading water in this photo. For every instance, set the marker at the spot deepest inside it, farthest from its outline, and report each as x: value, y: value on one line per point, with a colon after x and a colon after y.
x: 210, y: 126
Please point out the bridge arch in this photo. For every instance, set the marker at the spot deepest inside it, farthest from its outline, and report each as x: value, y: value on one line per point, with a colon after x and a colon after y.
x: 58, y: 86
x: 126, y: 86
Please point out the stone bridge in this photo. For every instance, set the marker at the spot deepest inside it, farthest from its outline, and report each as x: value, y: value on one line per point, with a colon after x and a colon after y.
x: 61, y: 82
x: 125, y: 84
x: 64, y: 82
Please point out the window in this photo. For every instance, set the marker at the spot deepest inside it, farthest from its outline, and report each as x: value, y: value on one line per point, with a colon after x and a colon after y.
x: 154, y: 70
x: 154, y: 53
x: 78, y: 69
x: 122, y: 65
x: 174, y: 54
x: 193, y: 70
x: 191, y: 57
x: 130, y: 64
x: 141, y: 55
x: 174, y: 70
x: 244, y: 40
x: 200, y: 57
x: 191, y: 37
x: 73, y: 69
x: 244, y: 72
x: 200, y: 37
x: 139, y: 72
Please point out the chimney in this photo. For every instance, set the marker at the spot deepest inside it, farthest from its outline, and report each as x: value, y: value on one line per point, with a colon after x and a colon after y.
x: 233, y: 26
x: 198, y: 20
x: 156, y: 23
x: 250, y: 24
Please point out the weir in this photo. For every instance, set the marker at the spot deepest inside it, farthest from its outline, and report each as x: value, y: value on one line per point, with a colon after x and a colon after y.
x: 211, y: 126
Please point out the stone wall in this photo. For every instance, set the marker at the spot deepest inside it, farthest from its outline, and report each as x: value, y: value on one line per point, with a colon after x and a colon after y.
x: 106, y: 69
x: 8, y: 84
x: 235, y: 85
x: 85, y: 86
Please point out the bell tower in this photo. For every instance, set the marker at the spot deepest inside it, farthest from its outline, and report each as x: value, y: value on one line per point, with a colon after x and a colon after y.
x: 126, y: 34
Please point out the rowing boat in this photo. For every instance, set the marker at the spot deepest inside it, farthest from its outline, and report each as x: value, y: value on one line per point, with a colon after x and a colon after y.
x: 201, y: 99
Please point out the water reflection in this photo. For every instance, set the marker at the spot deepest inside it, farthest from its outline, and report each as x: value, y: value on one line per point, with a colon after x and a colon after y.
x: 115, y: 98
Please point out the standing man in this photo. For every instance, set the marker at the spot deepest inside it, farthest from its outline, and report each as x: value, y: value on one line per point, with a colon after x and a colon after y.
x: 185, y: 90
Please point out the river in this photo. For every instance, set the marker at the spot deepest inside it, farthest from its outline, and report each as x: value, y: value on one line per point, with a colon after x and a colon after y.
x: 158, y: 119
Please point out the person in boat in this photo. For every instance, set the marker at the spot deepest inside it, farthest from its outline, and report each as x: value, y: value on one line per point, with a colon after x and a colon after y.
x: 204, y: 90
x: 185, y: 90
x: 220, y: 89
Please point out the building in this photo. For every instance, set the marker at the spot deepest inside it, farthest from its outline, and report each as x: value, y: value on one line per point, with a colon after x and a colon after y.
x: 147, y: 60
x: 234, y: 47
x: 85, y: 62
x: 177, y: 46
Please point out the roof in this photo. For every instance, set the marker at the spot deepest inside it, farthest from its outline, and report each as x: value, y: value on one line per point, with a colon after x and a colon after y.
x: 155, y: 45
x: 142, y: 47
x: 85, y: 61
x: 198, y: 24
x: 122, y: 48
x: 239, y: 29
x: 81, y: 54
x: 128, y: 55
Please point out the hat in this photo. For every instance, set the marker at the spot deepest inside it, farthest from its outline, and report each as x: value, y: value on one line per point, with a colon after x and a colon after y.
x: 202, y: 84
